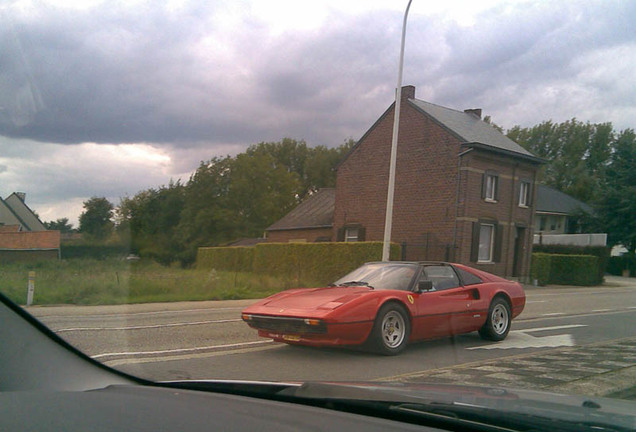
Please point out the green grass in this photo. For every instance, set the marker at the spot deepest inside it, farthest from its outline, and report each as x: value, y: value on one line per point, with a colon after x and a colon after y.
x: 100, y: 282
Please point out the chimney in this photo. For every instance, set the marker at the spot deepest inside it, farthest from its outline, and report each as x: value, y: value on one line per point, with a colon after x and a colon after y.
x: 21, y: 195
x: 408, y: 92
x: 474, y: 111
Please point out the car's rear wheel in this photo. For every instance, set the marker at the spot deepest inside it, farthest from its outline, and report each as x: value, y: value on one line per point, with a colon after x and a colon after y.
x: 391, y: 330
x: 498, y: 323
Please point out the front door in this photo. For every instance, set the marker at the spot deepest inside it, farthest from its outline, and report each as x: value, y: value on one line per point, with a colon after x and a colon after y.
x: 517, y: 262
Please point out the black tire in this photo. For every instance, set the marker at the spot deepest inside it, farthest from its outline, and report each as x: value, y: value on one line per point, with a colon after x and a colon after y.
x: 391, y: 330
x: 498, y: 323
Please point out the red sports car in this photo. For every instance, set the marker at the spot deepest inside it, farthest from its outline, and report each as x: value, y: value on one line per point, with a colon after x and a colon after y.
x: 388, y: 304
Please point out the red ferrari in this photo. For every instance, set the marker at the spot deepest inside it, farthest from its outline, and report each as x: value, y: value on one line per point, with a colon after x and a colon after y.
x: 388, y: 304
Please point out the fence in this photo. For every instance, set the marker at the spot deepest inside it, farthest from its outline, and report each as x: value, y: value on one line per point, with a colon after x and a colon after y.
x: 571, y: 239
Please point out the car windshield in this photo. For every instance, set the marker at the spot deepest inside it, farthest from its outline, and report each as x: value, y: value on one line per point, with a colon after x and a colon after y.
x: 381, y: 276
x: 182, y: 181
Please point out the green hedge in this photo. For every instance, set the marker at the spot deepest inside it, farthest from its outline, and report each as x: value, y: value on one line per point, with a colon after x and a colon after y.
x: 540, y: 268
x: 601, y: 252
x: 99, y: 252
x: 563, y: 269
x: 239, y: 259
x: 318, y: 262
x: 617, y: 264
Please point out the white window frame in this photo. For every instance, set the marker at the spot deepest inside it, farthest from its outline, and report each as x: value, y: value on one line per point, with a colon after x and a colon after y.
x: 490, y: 244
x: 351, y: 234
x: 524, y: 194
x: 491, y: 187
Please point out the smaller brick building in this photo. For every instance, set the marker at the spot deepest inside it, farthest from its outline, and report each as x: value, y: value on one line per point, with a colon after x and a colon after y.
x: 310, y: 221
x: 23, y: 237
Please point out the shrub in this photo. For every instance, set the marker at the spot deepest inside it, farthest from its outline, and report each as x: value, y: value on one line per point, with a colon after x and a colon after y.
x: 564, y: 269
x: 601, y: 252
x: 319, y: 262
x: 540, y: 268
x: 617, y: 264
x: 99, y: 252
x: 238, y: 259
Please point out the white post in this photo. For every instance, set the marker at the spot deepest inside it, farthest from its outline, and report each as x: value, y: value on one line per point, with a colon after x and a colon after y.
x: 30, y: 288
x: 388, y: 221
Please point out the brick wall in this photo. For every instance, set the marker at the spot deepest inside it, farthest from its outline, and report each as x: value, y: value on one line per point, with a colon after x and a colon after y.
x: 426, y: 169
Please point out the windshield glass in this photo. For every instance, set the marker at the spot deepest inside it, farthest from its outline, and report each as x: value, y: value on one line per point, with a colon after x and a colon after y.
x: 381, y: 276
x: 181, y: 183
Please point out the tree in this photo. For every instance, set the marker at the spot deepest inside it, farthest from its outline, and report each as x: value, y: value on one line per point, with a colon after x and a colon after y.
x: 61, y: 225
x: 95, y: 221
x: 617, y: 203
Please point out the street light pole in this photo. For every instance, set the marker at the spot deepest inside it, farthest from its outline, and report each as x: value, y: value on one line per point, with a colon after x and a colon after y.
x: 388, y: 221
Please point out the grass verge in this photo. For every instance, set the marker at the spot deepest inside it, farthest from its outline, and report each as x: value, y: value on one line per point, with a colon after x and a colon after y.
x: 100, y: 282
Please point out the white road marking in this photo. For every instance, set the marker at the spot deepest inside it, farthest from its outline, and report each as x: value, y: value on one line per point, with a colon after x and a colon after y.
x: 181, y: 350
x: 553, y: 314
x: 127, y: 314
x: 601, y: 310
x: 535, y: 301
x: 520, y: 339
x: 146, y: 326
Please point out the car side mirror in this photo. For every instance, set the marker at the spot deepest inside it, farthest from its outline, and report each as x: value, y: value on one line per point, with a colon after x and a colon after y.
x: 424, y: 286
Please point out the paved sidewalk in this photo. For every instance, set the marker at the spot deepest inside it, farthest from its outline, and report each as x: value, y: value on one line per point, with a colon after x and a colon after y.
x: 599, y: 369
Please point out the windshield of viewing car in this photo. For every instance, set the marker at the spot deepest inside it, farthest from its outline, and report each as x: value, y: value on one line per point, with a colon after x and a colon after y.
x: 381, y: 276
x: 181, y: 181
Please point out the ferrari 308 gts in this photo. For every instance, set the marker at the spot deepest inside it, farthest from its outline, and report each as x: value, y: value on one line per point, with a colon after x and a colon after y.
x: 388, y: 304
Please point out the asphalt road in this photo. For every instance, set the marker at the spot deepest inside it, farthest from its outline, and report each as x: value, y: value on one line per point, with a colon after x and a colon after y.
x: 207, y: 340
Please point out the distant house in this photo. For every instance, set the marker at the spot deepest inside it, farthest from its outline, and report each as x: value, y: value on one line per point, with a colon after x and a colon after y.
x: 556, y: 210
x: 464, y: 191
x: 22, y: 235
x: 310, y: 221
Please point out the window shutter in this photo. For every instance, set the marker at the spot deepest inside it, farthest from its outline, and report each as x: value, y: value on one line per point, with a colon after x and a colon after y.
x: 530, y: 194
x: 483, y: 185
x: 496, y: 186
x: 474, y: 247
x: 361, y: 234
x: 340, y: 235
x: 496, y: 256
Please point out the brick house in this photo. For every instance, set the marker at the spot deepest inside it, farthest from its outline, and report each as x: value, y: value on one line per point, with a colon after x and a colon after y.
x: 464, y: 191
x: 309, y: 221
x: 22, y: 235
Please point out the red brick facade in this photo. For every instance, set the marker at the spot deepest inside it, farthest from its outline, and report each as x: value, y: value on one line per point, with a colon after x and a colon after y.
x: 432, y: 211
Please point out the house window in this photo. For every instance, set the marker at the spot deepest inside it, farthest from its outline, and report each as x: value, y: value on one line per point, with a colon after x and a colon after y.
x: 524, y: 194
x: 542, y: 223
x: 351, y: 235
x: 490, y: 186
x: 486, y: 240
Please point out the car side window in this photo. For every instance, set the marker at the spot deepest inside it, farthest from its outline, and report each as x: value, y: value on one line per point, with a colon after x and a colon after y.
x: 468, y: 278
x: 443, y: 277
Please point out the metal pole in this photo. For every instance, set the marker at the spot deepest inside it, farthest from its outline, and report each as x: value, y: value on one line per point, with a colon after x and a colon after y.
x: 30, y: 288
x: 388, y: 221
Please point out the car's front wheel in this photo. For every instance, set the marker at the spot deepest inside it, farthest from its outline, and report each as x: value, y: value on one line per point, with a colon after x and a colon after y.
x: 498, y: 323
x: 391, y: 330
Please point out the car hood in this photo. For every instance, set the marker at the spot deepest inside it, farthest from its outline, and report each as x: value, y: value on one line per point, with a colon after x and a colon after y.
x: 327, y: 298
x: 515, y: 406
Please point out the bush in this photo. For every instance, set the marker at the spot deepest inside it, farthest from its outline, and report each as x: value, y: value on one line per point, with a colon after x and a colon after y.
x: 238, y: 259
x: 540, y: 268
x: 601, y: 252
x: 563, y: 269
x: 98, y: 252
x: 319, y: 262
x: 617, y: 264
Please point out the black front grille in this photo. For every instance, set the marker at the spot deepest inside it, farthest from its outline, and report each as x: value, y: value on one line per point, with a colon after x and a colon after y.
x: 285, y: 325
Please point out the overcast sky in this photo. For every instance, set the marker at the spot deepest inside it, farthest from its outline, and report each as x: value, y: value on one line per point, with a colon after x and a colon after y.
x: 106, y: 98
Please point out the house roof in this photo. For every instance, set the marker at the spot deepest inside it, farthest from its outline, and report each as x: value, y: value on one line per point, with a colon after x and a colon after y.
x: 28, y: 219
x: 471, y: 129
x: 316, y: 211
x: 550, y: 200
